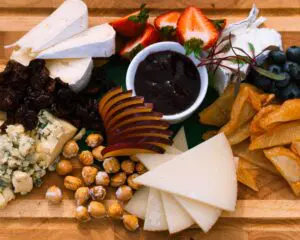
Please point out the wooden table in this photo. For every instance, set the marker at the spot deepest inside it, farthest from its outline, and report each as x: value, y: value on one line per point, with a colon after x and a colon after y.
x: 272, y: 213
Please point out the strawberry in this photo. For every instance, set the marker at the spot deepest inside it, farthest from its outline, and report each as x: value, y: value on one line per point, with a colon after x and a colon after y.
x: 132, y: 24
x: 196, y: 31
x: 166, y: 23
x: 149, y: 36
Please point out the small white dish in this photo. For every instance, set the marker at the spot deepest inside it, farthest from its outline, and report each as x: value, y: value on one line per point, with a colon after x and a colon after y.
x: 175, y: 47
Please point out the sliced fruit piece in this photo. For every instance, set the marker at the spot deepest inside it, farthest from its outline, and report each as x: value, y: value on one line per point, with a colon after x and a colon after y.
x: 111, y: 93
x: 132, y: 24
x: 245, y: 176
x: 128, y: 149
x: 166, y: 23
x: 138, y: 203
x: 136, y: 118
x: 155, y: 124
x: 116, y: 98
x: 257, y: 157
x: 282, y: 134
x: 147, y: 107
x: 159, y: 141
x: 216, y: 178
x: 148, y: 37
x: 288, y: 164
x: 196, y: 31
x: 123, y: 104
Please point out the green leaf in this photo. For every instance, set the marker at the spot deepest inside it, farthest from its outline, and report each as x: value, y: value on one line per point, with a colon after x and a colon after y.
x: 167, y: 31
x: 271, y: 75
x: 194, y: 45
x: 142, y: 17
x: 219, y: 23
x: 134, y: 51
x: 252, y: 49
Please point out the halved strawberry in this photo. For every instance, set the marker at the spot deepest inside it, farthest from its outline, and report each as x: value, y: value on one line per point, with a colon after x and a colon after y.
x: 166, y: 23
x: 196, y: 31
x: 149, y: 36
x: 132, y: 24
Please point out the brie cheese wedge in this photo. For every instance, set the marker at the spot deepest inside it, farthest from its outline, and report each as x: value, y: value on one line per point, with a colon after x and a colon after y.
x: 98, y: 41
x: 66, y: 21
x: 75, y: 72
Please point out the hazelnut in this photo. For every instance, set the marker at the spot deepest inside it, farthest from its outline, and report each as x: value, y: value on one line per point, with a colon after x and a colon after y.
x: 89, y: 174
x: 128, y: 166
x: 115, y: 210
x: 118, y: 179
x: 72, y: 183
x: 111, y: 165
x: 96, y: 209
x: 124, y: 193
x: 94, y: 140
x: 82, y: 214
x: 54, y: 195
x: 71, y: 149
x: 131, y: 183
x: 131, y: 222
x: 82, y: 195
x: 86, y: 158
x: 98, y: 193
x: 102, y: 178
x: 140, y: 168
x: 64, y: 167
x: 97, y: 153
x: 134, y: 158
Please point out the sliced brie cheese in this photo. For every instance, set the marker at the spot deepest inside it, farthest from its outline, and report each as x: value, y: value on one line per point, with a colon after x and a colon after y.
x: 155, y: 219
x: 138, y: 203
x: 210, y: 165
x: 75, y: 72
x: 179, y: 141
x: 66, y: 21
x: 98, y: 41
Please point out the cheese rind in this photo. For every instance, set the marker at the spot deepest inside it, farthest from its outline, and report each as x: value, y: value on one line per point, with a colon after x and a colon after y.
x: 138, y: 203
x: 180, y: 141
x: 209, y: 164
x: 69, y: 19
x: 98, y: 41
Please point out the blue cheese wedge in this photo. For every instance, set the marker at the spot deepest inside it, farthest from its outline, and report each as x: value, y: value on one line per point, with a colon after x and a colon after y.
x: 51, y: 135
x: 68, y: 20
x: 98, y: 41
x: 75, y: 72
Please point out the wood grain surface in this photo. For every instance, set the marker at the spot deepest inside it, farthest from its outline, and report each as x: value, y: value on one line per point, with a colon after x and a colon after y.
x: 273, y: 213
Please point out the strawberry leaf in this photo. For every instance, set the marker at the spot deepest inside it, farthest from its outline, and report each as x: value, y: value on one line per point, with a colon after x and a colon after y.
x: 193, y: 45
x: 142, y: 17
x: 130, y: 55
x: 271, y: 75
x: 219, y: 23
x: 167, y: 31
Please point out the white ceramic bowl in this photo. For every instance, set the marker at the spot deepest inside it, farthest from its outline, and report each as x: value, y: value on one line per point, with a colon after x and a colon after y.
x: 175, y: 47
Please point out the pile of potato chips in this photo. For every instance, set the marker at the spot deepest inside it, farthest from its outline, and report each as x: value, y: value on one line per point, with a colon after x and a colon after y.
x: 261, y: 131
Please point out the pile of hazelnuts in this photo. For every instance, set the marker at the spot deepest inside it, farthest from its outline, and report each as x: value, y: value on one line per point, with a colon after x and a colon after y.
x: 91, y: 188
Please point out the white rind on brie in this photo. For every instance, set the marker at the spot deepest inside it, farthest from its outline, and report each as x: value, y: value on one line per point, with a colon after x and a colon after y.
x: 66, y: 21
x: 98, y: 41
x: 75, y: 72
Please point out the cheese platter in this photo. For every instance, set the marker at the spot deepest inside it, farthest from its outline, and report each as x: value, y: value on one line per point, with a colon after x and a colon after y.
x: 142, y: 121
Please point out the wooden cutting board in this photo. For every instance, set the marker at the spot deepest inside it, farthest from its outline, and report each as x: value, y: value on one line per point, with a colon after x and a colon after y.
x: 272, y: 213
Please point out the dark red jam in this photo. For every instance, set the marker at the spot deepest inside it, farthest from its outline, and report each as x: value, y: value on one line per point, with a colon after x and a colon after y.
x: 169, y: 80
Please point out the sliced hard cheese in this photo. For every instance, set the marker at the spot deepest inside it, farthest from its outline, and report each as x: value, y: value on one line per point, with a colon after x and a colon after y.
x: 68, y: 20
x: 209, y: 165
x: 75, y: 72
x: 155, y: 219
x: 21, y: 56
x: 138, y: 203
x: 98, y: 41
x: 179, y: 141
x: 204, y: 215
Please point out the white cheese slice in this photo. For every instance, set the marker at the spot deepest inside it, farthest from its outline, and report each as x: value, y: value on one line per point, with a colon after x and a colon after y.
x: 75, y: 72
x: 209, y: 165
x: 179, y: 141
x: 138, y: 203
x: 204, y: 215
x: 98, y: 41
x: 66, y: 21
x: 21, y: 56
x: 155, y: 219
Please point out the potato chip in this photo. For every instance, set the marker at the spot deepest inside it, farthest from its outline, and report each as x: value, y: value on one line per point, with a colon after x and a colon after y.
x: 295, y: 147
x: 239, y: 135
x: 257, y: 157
x: 282, y: 134
x: 245, y: 176
x: 289, y: 111
x: 209, y: 134
x: 218, y: 113
x: 288, y: 164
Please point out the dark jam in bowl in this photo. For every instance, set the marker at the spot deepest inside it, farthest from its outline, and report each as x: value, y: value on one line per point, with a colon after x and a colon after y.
x: 169, y: 80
